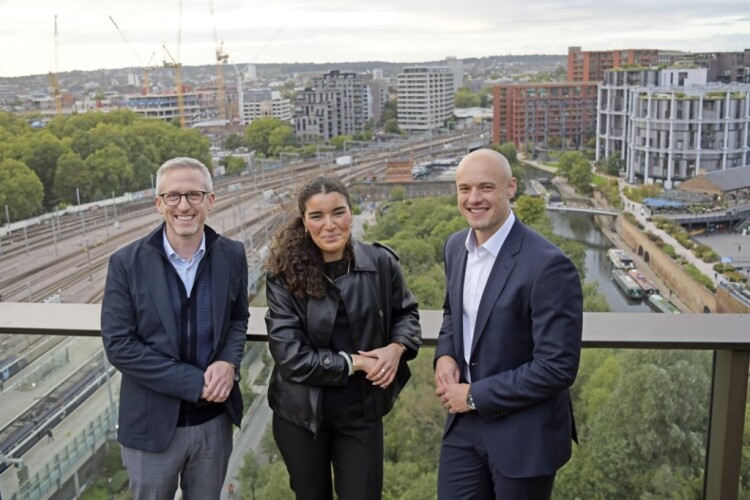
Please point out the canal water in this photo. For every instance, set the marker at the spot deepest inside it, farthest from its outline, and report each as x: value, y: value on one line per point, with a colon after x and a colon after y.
x: 583, y: 228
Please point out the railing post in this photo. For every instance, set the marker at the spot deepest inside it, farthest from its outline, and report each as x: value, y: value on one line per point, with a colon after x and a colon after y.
x: 726, y: 425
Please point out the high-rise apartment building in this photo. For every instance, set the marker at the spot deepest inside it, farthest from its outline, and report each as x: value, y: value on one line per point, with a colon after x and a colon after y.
x: 533, y: 114
x: 376, y: 95
x: 589, y: 66
x: 457, y: 66
x: 334, y: 105
x: 670, y: 125
x: 425, y: 98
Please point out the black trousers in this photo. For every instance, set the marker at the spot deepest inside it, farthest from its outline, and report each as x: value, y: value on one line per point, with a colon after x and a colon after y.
x: 345, y: 441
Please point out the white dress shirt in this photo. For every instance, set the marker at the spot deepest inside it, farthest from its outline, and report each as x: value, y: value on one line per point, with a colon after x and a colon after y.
x: 479, y: 263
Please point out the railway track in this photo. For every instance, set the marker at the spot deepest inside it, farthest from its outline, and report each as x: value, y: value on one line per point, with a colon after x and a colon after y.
x: 88, y: 264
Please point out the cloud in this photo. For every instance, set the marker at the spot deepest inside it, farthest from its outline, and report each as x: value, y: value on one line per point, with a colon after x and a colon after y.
x: 353, y: 30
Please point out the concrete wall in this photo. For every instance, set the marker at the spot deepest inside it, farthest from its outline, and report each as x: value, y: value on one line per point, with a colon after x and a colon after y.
x: 697, y: 297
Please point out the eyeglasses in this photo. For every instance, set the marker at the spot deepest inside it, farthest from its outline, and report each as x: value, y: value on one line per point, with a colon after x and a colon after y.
x: 192, y: 197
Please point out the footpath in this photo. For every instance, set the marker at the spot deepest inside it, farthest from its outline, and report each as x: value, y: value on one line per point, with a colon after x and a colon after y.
x: 643, y: 215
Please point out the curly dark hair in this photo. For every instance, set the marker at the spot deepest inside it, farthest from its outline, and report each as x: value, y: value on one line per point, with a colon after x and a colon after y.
x: 293, y: 255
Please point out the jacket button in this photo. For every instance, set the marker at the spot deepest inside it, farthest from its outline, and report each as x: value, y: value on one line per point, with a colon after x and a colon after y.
x: 380, y: 313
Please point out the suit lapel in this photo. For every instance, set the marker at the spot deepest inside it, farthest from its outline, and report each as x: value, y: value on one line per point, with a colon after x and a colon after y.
x: 458, y: 272
x: 152, y: 267
x: 219, y: 287
x: 499, y: 275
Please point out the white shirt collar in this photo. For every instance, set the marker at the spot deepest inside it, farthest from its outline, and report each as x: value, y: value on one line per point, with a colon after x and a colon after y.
x: 172, y: 254
x: 495, y: 242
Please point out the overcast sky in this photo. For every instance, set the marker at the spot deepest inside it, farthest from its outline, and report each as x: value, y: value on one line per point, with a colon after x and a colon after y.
x: 273, y: 31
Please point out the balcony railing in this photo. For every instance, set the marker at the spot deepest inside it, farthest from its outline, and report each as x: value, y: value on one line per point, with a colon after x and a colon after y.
x: 727, y: 335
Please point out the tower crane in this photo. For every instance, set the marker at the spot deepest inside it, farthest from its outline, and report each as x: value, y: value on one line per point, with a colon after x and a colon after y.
x: 177, y: 65
x: 221, y: 60
x: 146, y: 67
x: 146, y: 70
x: 54, y: 81
x: 172, y: 63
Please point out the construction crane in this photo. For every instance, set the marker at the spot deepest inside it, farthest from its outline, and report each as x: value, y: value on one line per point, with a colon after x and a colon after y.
x: 177, y: 65
x: 221, y: 60
x: 146, y: 68
x: 172, y: 63
x: 54, y: 81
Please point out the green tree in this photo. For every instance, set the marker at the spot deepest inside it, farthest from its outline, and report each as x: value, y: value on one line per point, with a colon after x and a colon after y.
x: 233, y: 141
x: 509, y: 151
x: 398, y: 193
x: 612, y: 165
x: 567, y: 160
x: 39, y: 151
x: 338, y: 141
x: 258, y: 134
x: 110, y: 170
x: 249, y: 475
x: 12, y: 125
x: 465, y: 98
x: 233, y: 164
x: 530, y: 209
x: 391, y: 126
x: 71, y: 173
x: 580, y: 176
x: 593, y: 300
x: 20, y: 189
x: 282, y: 138
x: 390, y: 111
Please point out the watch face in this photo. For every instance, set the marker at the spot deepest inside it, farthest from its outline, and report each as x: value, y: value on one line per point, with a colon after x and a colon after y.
x: 470, y: 402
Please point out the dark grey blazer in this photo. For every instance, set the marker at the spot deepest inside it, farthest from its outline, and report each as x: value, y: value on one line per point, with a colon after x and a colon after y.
x: 141, y: 338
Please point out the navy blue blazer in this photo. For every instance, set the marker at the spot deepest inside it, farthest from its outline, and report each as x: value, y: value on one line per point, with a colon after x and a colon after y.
x: 142, y: 341
x: 525, y: 352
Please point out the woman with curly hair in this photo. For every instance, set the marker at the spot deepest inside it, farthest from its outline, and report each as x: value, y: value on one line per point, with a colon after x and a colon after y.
x: 341, y: 325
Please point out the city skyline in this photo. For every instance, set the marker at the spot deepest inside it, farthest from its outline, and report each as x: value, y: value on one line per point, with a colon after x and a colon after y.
x: 333, y: 31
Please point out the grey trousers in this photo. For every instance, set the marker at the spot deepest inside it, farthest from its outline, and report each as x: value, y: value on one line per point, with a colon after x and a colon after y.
x: 197, y: 457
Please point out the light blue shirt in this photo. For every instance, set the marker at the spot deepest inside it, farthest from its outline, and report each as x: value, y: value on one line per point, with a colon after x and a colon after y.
x: 185, y: 269
x: 479, y: 263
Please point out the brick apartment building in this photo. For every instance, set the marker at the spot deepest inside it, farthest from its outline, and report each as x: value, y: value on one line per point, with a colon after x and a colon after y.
x: 589, y: 66
x: 531, y: 114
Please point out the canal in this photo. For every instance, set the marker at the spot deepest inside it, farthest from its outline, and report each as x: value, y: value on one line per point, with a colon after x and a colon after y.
x: 583, y: 228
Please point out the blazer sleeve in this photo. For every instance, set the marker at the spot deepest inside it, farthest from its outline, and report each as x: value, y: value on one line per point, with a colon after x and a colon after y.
x: 123, y: 334
x: 296, y: 358
x: 239, y: 313
x: 556, y: 307
x: 446, y: 343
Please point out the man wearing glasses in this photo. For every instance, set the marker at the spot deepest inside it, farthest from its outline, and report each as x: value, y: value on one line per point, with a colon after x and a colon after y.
x: 174, y: 318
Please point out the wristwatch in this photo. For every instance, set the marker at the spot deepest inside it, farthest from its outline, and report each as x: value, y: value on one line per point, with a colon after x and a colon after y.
x: 470, y: 400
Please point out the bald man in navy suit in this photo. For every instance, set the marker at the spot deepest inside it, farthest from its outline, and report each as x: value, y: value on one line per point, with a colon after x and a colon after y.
x: 509, y: 346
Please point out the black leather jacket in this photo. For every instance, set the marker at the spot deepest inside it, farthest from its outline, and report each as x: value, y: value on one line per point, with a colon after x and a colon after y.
x: 381, y: 310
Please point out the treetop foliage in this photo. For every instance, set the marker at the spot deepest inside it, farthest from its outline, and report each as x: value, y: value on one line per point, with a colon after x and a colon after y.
x: 98, y: 153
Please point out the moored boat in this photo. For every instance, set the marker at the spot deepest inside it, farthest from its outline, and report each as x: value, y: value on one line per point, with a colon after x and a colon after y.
x: 661, y: 304
x: 620, y: 259
x: 647, y: 287
x: 627, y: 284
